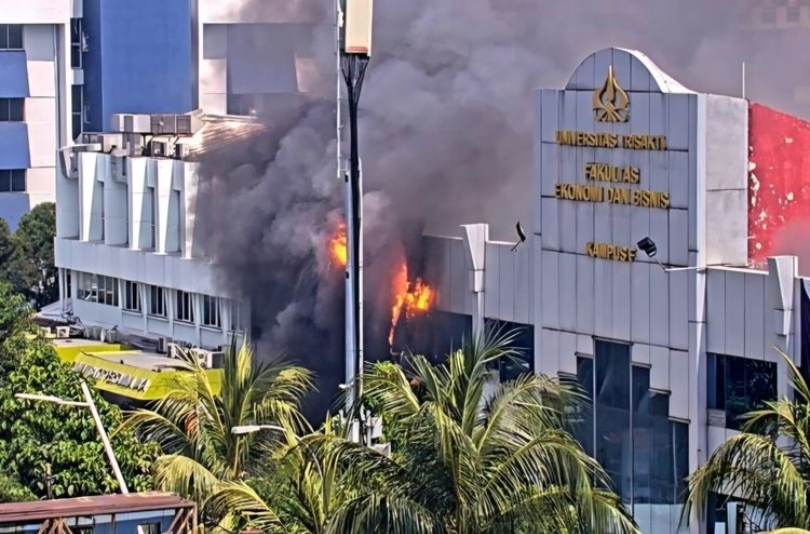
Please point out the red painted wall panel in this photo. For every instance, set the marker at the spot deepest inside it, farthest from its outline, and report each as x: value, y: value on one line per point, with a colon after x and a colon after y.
x: 778, y: 185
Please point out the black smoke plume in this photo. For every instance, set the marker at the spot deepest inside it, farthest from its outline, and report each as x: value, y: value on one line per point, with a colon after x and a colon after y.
x: 446, y: 138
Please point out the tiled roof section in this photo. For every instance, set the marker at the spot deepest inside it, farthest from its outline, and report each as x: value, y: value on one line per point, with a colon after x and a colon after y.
x: 220, y: 133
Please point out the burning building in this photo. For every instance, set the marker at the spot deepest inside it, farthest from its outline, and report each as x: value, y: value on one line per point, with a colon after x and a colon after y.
x: 653, y: 271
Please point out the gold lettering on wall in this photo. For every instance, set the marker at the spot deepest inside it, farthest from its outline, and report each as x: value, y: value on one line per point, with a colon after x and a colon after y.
x: 610, y: 102
x: 600, y: 172
x: 608, y: 140
x: 607, y: 251
x: 641, y: 198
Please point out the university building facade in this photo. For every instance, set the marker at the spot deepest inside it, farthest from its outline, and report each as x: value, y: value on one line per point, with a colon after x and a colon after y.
x: 651, y: 272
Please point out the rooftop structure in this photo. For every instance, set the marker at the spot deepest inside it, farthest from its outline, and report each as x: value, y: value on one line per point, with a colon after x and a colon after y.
x: 126, y: 247
x: 154, y: 512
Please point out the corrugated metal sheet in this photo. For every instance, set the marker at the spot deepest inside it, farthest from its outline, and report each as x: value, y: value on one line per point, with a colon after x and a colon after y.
x: 24, y: 512
x: 220, y: 133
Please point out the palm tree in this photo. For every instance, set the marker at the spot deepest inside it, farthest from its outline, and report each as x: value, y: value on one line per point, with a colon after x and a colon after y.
x: 193, y: 423
x: 767, y: 465
x: 470, y: 459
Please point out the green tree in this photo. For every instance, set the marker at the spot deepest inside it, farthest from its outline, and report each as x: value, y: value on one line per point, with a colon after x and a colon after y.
x: 473, y: 458
x: 7, y: 246
x: 767, y: 465
x: 193, y: 424
x: 37, y: 436
x: 12, y: 491
x: 16, y: 329
x: 31, y: 268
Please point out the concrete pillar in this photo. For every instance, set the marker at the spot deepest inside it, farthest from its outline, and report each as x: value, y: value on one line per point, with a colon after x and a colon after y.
x: 475, y: 240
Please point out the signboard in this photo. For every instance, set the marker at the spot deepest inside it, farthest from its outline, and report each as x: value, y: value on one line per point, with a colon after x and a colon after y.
x: 604, y: 181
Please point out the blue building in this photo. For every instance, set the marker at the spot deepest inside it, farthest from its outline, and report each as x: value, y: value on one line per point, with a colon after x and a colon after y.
x: 138, y: 56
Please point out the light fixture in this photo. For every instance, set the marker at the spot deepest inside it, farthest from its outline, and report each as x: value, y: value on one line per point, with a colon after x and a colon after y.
x: 647, y: 246
x: 521, y: 236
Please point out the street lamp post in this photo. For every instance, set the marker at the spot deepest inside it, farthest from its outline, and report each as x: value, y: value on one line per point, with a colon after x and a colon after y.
x: 355, y: 52
x: 88, y: 403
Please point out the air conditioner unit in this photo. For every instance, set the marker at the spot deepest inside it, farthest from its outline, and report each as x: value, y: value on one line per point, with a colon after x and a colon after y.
x: 62, y: 332
x: 160, y: 148
x: 208, y: 359
x: 46, y: 331
x: 174, y: 350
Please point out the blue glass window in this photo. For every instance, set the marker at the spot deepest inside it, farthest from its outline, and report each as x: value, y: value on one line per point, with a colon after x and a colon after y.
x: 739, y: 385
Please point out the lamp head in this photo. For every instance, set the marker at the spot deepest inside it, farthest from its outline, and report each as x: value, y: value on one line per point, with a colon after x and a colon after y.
x: 647, y: 245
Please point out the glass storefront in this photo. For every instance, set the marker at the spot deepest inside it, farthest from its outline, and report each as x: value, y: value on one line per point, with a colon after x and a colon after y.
x: 629, y: 431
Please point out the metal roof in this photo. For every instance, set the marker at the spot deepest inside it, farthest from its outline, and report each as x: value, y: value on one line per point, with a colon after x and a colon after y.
x: 32, y: 511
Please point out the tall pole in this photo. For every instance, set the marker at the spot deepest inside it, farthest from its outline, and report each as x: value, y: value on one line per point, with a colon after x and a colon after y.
x: 104, y: 439
x: 355, y: 49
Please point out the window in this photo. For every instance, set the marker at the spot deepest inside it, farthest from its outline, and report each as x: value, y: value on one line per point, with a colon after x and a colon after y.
x: 68, y: 285
x: 739, y: 385
x: 211, y: 311
x: 76, y: 43
x: 102, y: 213
x: 793, y: 14
x: 157, y: 301
x: 12, y: 109
x: 12, y: 180
x: 97, y: 288
x: 521, y: 361
x: 626, y: 426
x: 132, y: 299
x: 768, y: 15
x: 76, y: 106
x: 150, y: 528
x: 184, y: 307
x: 11, y: 37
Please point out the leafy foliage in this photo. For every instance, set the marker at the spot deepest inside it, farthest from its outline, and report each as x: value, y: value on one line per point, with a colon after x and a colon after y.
x: 16, y: 329
x: 193, y: 425
x: 12, y: 491
x: 468, y: 458
x: 36, y: 436
x: 31, y: 266
x: 767, y: 465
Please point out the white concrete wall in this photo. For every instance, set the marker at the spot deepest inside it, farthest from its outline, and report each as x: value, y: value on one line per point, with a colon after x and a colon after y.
x: 634, y: 301
x: 35, y: 11
x: 122, y: 192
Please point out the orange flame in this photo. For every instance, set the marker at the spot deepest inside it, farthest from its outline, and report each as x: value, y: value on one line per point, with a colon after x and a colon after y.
x: 409, y: 298
x: 337, y: 246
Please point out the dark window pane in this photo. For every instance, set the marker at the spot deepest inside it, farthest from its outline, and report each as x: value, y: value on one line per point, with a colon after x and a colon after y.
x: 3, y: 36
x: 583, y: 429
x: 76, y: 98
x: 793, y: 13
x: 15, y: 37
x: 613, y: 437
x: 680, y: 433
x: 77, y: 125
x: 75, y: 31
x: 16, y: 109
x: 75, y: 57
x: 18, y: 180
x: 5, y: 110
x: 5, y: 181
